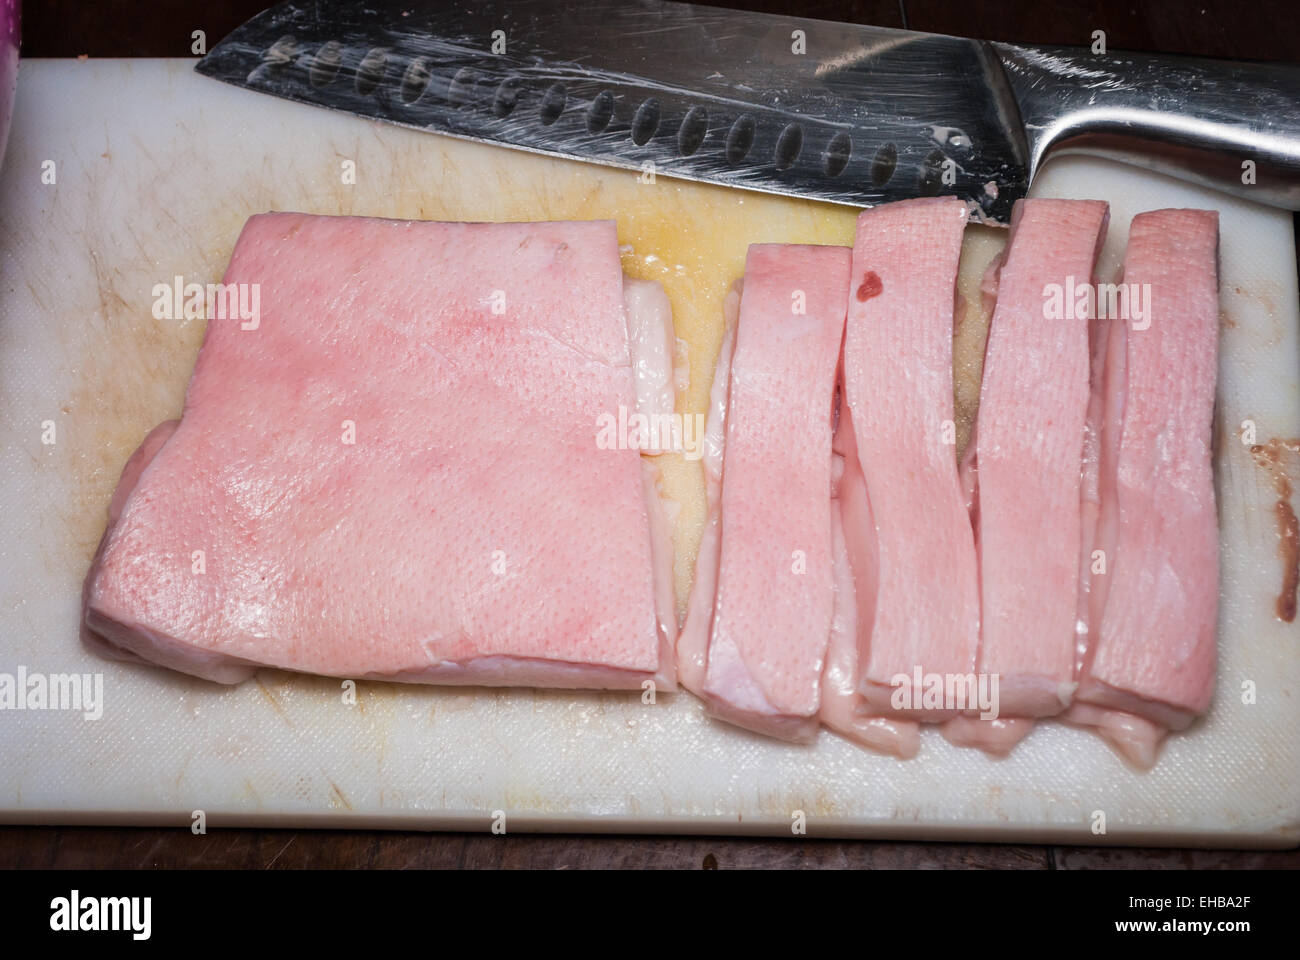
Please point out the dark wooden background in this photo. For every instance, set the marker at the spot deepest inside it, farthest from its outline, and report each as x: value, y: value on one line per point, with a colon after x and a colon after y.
x: 1243, y: 29
x: 1254, y: 29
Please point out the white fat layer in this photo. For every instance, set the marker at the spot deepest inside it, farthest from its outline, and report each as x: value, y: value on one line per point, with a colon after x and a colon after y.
x: 715, y: 431
x: 693, y: 641
x: 653, y: 346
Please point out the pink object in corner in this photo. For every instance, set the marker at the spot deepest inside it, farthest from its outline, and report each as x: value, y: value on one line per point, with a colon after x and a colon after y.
x: 11, y: 16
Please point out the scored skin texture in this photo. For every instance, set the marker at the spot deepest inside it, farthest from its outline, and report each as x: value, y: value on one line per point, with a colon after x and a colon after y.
x: 775, y: 584
x: 1030, y: 444
x: 474, y: 532
x: 135, y: 464
x: 1151, y: 666
x: 898, y: 377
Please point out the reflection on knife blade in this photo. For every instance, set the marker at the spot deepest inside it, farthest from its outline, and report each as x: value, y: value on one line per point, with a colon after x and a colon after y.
x: 848, y: 114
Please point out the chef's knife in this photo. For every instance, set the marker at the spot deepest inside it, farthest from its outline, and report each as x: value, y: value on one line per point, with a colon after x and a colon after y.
x: 839, y: 112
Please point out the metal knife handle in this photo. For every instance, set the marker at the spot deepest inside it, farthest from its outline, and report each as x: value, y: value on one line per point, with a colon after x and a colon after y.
x: 1198, y: 120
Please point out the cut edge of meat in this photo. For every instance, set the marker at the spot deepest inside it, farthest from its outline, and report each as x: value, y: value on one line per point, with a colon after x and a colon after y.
x: 1097, y: 449
x: 1098, y: 694
x: 693, y: 638
x: 499, y: 671
x: 751, y: 711
x: 1105, y: 513
x: 137, y: 643
x: 997, y: 737
x: 652, y: 345
x: 661, y: 556
x: 1136, y: 738
x: 129, y: 643
x: 653, y: 348
x: 842, y: 708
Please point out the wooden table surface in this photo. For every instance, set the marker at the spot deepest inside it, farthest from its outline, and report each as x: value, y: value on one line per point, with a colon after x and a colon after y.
x: 1259, y: 29
x: 57, y: 847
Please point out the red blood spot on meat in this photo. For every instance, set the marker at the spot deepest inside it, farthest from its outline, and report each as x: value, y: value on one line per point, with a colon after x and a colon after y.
x: 871, y: 286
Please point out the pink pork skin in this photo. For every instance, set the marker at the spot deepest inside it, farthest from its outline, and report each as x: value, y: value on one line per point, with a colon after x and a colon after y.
x: 474, y: 532
x: 1029, y: 450
x: 898, y: 383
x: 1151, y: 665
x: 775, y: 582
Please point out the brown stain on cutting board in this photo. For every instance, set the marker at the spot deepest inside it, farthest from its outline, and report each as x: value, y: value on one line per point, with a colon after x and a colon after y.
x: 1278, y: 459
x: 338, y: 798
x: 1263, y: 294
x: 1289, y: 548
x: 128, y: 370
x: 273, y: 700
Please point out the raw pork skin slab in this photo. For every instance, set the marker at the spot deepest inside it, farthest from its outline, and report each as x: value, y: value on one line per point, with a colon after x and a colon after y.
x: 898, y: 384
x: 1151, y: 665
x: 1029, y: 441
x: 775, y: 591
x: 395, y: 473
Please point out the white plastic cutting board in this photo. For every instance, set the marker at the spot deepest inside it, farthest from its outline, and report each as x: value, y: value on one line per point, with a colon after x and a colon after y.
x: 156, y: 171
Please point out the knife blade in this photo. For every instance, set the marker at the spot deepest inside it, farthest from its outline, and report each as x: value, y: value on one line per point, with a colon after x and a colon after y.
x: 844, y: 113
